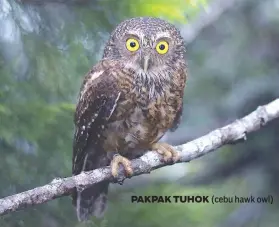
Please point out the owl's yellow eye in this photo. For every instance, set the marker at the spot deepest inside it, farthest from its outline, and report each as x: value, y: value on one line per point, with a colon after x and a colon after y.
x: 132, y: 45
x: 162, y: 47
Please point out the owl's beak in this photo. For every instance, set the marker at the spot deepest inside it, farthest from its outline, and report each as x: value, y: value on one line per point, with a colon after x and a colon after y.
x: 145, y: 63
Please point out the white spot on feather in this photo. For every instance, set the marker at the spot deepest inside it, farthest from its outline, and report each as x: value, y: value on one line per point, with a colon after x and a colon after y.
x: 90, y: 81
x: 161, y: 34
x: 95, y: 75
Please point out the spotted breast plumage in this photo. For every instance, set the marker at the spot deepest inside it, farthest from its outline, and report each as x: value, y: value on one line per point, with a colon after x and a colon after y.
x: 126, y: 104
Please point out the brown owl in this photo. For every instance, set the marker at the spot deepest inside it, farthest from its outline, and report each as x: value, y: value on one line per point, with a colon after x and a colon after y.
x: 127, y: 102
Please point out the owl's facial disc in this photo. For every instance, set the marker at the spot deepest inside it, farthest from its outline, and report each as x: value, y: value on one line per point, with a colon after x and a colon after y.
x: 148, y: 53
x: 141, y: 50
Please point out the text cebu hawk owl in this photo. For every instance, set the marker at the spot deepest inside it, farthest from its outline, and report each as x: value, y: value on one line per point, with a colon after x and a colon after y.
x: 127, y: 102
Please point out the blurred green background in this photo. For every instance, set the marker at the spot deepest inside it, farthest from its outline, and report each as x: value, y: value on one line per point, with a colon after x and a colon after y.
x: 46, y: 47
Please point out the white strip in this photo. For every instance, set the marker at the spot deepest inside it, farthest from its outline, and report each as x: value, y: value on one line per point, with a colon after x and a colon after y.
x: 114, y: 106
x: 79, y: 193
x: 89, y: 83
x: 95, y: 75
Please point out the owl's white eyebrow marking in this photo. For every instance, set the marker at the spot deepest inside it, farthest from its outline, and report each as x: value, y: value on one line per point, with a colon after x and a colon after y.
x: 137, y: 34
x: 162, y: 35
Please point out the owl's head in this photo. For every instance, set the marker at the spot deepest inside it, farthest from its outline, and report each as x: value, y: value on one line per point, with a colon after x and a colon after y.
x: 146, y: 44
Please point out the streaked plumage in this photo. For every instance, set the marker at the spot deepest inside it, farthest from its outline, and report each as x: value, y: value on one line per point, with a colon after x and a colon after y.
x: 127, y: 102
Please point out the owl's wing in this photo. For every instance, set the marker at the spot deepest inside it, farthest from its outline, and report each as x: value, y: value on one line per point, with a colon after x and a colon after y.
x: 97, y: 100
x: 177, y: 119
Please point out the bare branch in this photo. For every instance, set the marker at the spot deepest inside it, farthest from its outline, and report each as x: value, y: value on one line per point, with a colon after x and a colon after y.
x: 229, y: 134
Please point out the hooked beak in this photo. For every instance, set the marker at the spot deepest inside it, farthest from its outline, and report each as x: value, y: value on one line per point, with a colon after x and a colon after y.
x: 145, y: 63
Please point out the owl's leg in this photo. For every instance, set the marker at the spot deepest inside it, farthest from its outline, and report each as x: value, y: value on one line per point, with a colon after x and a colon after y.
x: 116, y: 161
x: 168, y: 152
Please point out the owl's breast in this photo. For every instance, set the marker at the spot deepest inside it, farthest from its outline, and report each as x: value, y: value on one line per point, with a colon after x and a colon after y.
x: 140, y: 120
x: 145, y: 110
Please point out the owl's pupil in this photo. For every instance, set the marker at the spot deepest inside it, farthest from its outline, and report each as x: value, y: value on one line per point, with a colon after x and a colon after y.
x: 132, y: 44
x: 162, y: 47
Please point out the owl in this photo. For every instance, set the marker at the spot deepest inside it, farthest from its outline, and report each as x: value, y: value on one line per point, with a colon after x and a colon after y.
x: 127, y: 102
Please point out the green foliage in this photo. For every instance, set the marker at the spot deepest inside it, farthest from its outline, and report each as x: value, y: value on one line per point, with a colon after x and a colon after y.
x: 177, y: 10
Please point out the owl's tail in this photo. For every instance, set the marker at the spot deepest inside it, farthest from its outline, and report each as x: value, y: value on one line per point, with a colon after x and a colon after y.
x: 91, y: 201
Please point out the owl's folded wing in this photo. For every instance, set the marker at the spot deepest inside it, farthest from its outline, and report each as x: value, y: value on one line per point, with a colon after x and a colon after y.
x: 97, y: 100
x: 177, y: 119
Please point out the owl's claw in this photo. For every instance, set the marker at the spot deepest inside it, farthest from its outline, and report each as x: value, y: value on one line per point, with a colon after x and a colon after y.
x: 116, y: 161
x: 168, y: 152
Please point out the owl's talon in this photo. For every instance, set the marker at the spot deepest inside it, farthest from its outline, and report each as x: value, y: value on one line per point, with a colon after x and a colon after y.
x: 116, y: 161
x: 168, y: 152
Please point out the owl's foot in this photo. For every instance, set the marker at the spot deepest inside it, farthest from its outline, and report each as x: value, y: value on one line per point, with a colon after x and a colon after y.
x: 168, y: 152
x: 116, y: 161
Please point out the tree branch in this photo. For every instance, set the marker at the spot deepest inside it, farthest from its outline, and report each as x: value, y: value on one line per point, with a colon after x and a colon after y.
x: 229, y: 134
